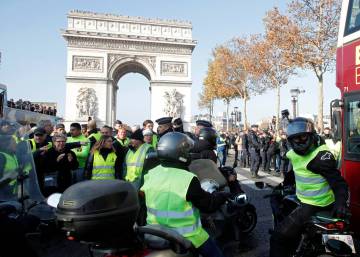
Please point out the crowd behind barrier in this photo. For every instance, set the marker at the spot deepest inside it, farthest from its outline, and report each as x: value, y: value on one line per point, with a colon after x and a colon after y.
x: 29, y: 106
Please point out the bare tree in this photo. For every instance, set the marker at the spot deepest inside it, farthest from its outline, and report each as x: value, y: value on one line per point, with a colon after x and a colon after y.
x: 317, y: 22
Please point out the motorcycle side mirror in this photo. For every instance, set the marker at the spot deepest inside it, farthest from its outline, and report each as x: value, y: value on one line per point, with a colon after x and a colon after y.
x: 338, y: 247
x: 53, y: 200
x: 260, y: 184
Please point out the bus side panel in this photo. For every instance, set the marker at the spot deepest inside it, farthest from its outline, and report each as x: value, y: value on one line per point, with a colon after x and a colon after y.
x: 348, y: 67
x: 339, y: 69
x: 351, y: 173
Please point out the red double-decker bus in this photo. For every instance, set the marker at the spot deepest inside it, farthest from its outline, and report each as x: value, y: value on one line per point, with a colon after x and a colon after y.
x: 346, y: 112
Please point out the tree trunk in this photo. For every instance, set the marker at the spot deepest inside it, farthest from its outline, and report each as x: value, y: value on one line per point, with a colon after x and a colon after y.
x: 245, y: 113
x: 277, y: 107
x: 227, y: 114
x: 320, y: 120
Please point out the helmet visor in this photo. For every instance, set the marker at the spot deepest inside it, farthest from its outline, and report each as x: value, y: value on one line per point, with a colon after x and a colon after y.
x: 296, y: 128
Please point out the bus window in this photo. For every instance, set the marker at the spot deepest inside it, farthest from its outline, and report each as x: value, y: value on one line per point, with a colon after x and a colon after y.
x: 353, y: 128
x: 353, y: 17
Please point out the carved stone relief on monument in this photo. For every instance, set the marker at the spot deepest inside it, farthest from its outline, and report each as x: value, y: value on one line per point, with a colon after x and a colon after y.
x: 86, y: 103
x: 115, y: 57
x: 88, y: 63
x: 174, y: 69
x: 173, y: 103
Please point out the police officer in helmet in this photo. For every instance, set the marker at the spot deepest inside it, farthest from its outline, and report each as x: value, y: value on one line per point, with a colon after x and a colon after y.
x: 205, y: 147
x: 174, y: 197
x: 319, y: 185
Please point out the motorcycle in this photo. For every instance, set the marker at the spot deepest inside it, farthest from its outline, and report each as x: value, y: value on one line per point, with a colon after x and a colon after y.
x: 237, y: 216
x: 102, y: 215
x: 323, y: 235
x: 23, y: 209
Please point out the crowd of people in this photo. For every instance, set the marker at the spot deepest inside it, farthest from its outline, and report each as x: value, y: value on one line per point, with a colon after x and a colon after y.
x: 29, y: 106
x: 86, y: 152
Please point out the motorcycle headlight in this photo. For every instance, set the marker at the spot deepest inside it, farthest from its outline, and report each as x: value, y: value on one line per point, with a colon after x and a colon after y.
x: 209, y: 185
x: 241, y: 199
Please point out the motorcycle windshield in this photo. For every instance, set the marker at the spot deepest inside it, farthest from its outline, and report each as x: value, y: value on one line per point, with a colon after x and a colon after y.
x: 17, y: 170
x: 207, y: 169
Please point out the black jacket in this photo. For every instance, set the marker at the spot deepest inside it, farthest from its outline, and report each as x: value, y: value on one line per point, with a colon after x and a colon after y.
x: 254, y: 141
x: 203, y: 150
x: 47, y: 163
x: 245, y: 142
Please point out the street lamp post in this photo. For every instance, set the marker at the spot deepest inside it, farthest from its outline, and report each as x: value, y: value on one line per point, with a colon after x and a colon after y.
x: 295, y: 92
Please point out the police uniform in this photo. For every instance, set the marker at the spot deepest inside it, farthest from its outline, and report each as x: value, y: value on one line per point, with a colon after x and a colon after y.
x: 165, y: 121
x: 254, y: 150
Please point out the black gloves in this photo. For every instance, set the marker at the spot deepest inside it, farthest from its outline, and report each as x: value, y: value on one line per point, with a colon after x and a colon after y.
x: 340, y: 211
x: 223, y: 195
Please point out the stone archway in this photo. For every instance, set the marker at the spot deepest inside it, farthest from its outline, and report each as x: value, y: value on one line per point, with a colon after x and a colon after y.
x: 101, y: 48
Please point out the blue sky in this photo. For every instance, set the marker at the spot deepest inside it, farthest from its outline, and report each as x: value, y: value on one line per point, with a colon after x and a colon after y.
x: 34, y: 53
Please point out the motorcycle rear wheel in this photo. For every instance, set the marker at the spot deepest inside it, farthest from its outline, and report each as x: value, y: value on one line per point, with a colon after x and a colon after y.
x: 247, y: 219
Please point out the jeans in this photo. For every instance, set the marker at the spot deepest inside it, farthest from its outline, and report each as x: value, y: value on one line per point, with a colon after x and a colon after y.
x: 254, y: 161
x: 222, y: 156
x: 209, y: 249
x: 77, y: 175
x: 244, y: 158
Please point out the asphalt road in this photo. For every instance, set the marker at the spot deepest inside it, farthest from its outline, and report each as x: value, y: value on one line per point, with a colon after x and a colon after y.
x: 256, y: 244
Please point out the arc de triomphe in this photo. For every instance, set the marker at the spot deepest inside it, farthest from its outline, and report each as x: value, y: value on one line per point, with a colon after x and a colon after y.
x: 101, y: 48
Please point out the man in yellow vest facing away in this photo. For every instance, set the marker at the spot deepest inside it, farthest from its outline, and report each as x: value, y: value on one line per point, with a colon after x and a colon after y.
x: 319, y: 185
x: 135, y: 159
x: 174, y: 197
x: 93, y: 133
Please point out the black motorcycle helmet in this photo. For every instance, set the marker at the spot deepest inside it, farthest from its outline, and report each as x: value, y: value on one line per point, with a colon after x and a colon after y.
x: 175, y: 147
x: 301, y: 135
x: 285, y: 112
x: 209, y: 135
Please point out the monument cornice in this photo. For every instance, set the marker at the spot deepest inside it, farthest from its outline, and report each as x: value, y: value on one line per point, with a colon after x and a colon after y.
x: 150, y: 39
x: 132, y: 19
x: 126, y: 44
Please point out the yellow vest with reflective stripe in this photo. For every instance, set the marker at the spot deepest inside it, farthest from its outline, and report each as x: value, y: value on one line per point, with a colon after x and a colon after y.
x: 96, y: 135
x: 103, y: 169
x: 126, y: 142
x: 134, y: 162
x: 311, y: 188
x: 165, y: 191
x: 154, y: 140
x: 33, y: 145
x: 11, y: 164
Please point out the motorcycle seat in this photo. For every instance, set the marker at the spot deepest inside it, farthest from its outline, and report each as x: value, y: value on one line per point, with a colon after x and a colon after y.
x: 159, y: 237
x: 324, y: 216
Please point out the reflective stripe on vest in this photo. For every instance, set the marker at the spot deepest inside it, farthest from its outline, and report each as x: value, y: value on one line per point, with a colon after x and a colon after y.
x: 103, y: 169
x: 165, y: 191
x: 134, y: 162
x: 311, y: 188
